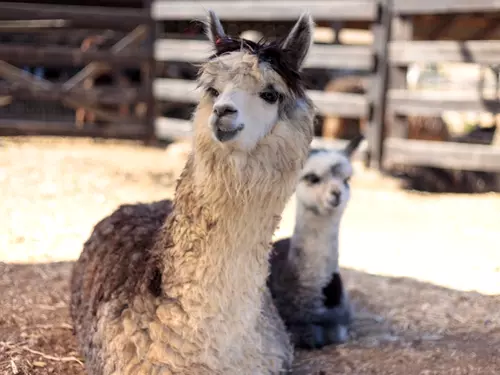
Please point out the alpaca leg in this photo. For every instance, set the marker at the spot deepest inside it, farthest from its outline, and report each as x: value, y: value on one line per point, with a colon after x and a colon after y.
x: 308, y: 336
x: 337, y: 334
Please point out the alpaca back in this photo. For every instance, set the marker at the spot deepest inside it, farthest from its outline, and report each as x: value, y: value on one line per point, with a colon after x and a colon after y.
x: 116, y: 263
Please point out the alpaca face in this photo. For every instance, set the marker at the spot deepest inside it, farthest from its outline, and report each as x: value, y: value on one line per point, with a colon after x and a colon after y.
x: 324, y: 181
x: 245, y: 98
x: 250, y: 87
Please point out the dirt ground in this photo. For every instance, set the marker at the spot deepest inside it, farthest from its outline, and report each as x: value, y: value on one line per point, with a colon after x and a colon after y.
x: 423, y: 270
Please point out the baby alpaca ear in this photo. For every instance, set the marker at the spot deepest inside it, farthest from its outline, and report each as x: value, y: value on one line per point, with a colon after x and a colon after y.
x: 353, y: 145
x: 299, y: 40
x: 213, y: 28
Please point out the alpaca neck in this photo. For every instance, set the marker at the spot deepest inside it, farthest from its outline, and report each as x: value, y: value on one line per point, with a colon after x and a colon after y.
x: 314, y: 246
x: 226, y: 209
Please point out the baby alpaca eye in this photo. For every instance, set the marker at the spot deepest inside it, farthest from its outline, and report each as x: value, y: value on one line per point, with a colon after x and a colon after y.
x: 312, y: 178
x: 271, y: 96
x: 212, y: 92
x: 346, y: 181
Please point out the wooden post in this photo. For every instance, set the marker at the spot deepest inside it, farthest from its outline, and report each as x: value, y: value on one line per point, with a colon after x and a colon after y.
x: 149, y: 74
x: 401, y: 30
x: 378, y: 91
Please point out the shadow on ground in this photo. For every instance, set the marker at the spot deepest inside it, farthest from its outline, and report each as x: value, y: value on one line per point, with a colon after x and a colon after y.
x: 404, y: 327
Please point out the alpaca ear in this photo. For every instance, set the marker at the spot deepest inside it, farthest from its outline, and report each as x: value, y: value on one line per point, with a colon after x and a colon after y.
x: 214, y: 29
x: 353, y: 145
x: 299, y: 40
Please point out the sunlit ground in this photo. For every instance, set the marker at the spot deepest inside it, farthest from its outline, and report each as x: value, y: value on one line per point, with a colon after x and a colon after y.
x: 424, y: 321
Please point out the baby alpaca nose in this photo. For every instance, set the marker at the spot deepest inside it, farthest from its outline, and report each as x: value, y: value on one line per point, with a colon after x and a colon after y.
x: 224, y: 110
x: 336, y: 196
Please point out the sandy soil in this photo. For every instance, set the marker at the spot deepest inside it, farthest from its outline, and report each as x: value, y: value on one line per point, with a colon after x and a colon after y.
x: 423, y: 270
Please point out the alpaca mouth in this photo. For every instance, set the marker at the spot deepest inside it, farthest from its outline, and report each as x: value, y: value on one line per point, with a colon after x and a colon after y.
x: 224, y: 135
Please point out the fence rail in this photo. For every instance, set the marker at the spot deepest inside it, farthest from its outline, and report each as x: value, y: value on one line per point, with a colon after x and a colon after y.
x: 269, y: 10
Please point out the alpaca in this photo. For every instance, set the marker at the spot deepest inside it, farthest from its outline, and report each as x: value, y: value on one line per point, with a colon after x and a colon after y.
x: 305, y: 281
x: 180, y: 287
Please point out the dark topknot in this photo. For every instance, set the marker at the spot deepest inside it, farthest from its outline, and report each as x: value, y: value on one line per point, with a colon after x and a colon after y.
x: 280, y: 59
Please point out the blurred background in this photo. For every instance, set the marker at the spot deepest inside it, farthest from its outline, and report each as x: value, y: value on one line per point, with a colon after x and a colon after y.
x: 95, y: 102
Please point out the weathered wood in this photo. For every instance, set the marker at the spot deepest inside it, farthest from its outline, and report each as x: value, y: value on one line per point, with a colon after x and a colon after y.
x: 433, y: 103
x: 58, y: 55
x: 401, y: 30
x: 16, y: 75
x: 321, y: 56
x: 442, y: 154
x: 269, y: 10
x: 341, y: 104
x: 171, y: 128
x: 338, y: 144
x: 381, y: 34
x: 444, y: 6
x: 149, y: 75
x: 28, y: 25
x: 95, y: 68
x: 104, y: 16
x: 96, y: 95
x: 473, y: 51
x: 20, y: 127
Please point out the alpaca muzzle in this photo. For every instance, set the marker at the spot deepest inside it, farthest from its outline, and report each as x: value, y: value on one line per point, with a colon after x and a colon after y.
x: 225, y: 128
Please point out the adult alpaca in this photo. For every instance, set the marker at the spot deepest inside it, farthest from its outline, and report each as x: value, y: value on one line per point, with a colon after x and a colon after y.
x: 180, y: 287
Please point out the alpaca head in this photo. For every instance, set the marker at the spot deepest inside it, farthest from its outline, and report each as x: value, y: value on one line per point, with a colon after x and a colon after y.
x: 251, y: 89
x: 324, y: 181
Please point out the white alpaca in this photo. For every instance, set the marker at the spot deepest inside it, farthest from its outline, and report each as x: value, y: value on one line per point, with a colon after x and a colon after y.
x: 305, y: 275
x: 180, y: 287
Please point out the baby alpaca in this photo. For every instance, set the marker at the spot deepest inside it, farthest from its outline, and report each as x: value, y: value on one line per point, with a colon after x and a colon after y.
x: 178, y: 288
x: 305, y: 279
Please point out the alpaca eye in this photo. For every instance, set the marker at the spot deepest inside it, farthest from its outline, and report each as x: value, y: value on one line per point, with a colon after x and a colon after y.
x: 270, y: 96
x: 212, y: 92
x: 312, y: 178
x: 346, y: 181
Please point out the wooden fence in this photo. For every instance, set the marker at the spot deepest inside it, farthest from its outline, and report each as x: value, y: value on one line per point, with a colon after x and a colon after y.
x: 402, y: 102
x: 147, y: 47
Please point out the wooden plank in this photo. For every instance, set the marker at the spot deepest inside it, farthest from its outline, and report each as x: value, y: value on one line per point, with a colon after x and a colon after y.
x: 35, y: 25
x: 96, y: 95
x: 95, y: 68
x: 269, y: 10
x: 148, y: 76
x: 381, y: 33
x: 402, y: 29
x: 321, y: 56
x: 16, y: 75
x: 442, y: 154
x: 433, y: 103
x: 444, y: 6
x: 171, y: 128
x: 105, y: 16
x: 20, y: 127
x: 340, y: 104
x: 473, y: 51
x: 340, y: 144
x: 58, y: 56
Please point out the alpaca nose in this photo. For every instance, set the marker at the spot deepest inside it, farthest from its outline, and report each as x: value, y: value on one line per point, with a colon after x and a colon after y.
x: 335, y: 197
x: 224, y: 110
